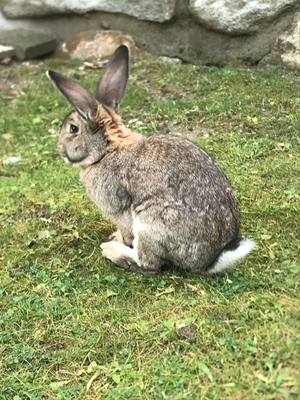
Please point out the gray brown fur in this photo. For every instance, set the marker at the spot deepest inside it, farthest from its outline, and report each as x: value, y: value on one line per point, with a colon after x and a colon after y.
x: 169, y: 199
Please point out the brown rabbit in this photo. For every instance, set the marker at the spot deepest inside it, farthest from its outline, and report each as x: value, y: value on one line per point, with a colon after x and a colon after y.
x: 168, y: 198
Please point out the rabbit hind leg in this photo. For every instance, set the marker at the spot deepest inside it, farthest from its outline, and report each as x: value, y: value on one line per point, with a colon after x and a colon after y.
x: 146, y: 243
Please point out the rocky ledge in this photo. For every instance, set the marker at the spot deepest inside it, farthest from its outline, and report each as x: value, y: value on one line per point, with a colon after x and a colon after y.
x: 200, y: 31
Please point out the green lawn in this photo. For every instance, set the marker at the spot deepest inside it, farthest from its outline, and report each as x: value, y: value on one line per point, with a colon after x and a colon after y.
x: 73, y: 325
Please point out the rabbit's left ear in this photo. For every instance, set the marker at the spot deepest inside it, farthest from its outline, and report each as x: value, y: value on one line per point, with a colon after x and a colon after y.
x: 80, y: 98
x: 112, y: 84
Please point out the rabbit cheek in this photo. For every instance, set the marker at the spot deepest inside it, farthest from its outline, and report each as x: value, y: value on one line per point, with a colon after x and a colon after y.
x: 77, y: 156
x: 72, y: 153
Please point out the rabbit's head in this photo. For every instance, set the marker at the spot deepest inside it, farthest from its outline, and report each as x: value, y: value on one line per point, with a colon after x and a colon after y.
x: 95, y: 128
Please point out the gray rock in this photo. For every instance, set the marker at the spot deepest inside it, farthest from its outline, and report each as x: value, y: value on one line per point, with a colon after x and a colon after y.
x: 151, y: 10
x: 6, y: 52
x: 96, y: 46
x: 6, y: 61
x: 238, y: 16
x: 171, y: 60
x: 286, y: 50
x: 243, y: 30
x: 28, y: 44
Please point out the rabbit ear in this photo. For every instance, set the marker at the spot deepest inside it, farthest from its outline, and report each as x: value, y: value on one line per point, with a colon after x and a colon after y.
x: 112, y: 84
x: 78, y: 96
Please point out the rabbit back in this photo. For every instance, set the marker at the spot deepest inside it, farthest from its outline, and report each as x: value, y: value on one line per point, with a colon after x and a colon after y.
x: 171, y: 191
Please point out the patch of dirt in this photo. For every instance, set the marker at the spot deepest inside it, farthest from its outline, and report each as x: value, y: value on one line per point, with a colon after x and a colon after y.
x: 11, y: 83
x: 42, y: 211
x: 8, y: 85
x: 187, y: 332
x: 191, y: 133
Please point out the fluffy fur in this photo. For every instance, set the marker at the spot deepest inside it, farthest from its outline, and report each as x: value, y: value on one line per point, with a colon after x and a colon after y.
x: 169, y: 199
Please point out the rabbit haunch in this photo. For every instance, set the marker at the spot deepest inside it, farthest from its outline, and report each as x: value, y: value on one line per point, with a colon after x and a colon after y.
x: 170, y: 201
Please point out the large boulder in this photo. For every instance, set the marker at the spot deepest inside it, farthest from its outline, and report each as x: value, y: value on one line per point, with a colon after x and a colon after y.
x: 238, y: 16
x: 152, y: 10
x: 286, y: 50
x: 198, y: 31
x: 6, y: 52
x: 28, y: 44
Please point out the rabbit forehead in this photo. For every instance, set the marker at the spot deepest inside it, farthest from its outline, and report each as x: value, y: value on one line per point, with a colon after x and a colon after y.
x: 86, y: 126
x: 72, y: 118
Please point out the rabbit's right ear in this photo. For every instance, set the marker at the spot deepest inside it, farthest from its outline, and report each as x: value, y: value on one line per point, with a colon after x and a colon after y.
x: 112, y: 84
x: 77, y: 95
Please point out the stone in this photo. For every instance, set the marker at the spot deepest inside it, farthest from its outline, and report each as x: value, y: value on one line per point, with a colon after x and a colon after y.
x: 6, y: 61
x: 12, y: 160
x: 28, y: 44
x: 238, y: 16
x: 96, y: 46
x: 6, y: 52
x: 151, y: 10
x: 6, y: 136
x: 171, y: 60
x: 286, y: 50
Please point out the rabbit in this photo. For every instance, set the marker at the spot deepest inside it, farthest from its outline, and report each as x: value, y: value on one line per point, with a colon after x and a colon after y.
x: 170, y: 201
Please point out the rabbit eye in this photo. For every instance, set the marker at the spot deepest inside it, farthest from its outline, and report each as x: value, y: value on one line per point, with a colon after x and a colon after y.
x: 73, y: 129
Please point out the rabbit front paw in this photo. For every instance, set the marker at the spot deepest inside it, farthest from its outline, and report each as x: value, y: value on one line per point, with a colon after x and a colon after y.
x: 124, y: 256
x: 116, y: 237
x: 119, y: 254
x: 120, y: 237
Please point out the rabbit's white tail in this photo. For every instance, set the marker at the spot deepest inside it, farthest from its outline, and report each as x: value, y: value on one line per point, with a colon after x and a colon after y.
x: 235, y: 251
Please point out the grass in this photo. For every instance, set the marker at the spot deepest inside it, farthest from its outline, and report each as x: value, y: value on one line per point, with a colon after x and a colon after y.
x: 73, y: 325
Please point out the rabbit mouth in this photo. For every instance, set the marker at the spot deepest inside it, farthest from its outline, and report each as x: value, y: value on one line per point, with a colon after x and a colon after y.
x: 69, y: 159
x: 75, y: 160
